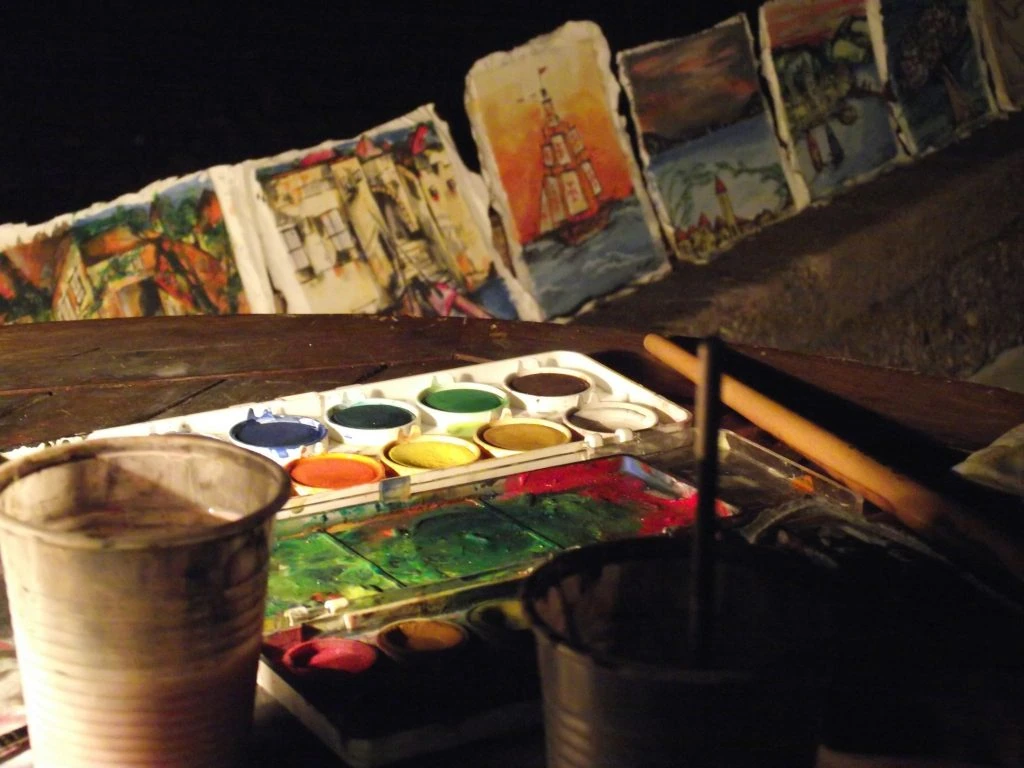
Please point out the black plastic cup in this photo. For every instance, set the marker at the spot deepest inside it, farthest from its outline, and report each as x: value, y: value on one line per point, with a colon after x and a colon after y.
x: 611, y: 628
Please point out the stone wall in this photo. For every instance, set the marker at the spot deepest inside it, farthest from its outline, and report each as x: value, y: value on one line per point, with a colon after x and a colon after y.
x: 921, y: 268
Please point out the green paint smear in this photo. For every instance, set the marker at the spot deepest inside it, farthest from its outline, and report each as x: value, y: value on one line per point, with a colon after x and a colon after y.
x: 308, y: 570
x: 445, y: 542
x: 572, y: 519
x: 462, y: 400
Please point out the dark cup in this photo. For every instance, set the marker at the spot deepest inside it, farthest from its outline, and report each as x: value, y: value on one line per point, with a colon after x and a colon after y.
x: 611, y: 627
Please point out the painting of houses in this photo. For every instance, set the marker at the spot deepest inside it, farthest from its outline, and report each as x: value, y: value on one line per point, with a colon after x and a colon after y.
x: 386, y: 222
x: 165, y: 254
x: 830, y: 105
x: 711, y: 158
x: 575, y: 214
x: 934, y: 69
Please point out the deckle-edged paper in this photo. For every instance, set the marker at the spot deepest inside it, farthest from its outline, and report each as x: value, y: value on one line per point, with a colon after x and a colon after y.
x: 557, y: 159
x: 1000, y: 24
x: 713, y: 164
x: 176, y: 247
x: 830, y: 104
x: 930, y: 60
x: 390, y: 221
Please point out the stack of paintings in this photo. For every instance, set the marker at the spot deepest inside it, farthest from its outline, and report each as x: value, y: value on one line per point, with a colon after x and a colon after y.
x: 710, y: 154
x: 561, y: 216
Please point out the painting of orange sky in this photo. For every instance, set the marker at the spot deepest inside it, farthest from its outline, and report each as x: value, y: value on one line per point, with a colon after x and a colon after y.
x: 508, y: 100
x: 683, y: 87
x: 801, y: 23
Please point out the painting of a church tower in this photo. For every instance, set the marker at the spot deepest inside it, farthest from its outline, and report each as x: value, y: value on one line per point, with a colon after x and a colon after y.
x: 570, y: 196
x: 711, y: 157
x: 830, y: 103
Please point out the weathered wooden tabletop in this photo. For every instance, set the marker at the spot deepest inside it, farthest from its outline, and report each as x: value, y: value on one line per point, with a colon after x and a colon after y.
x: 61, y: 379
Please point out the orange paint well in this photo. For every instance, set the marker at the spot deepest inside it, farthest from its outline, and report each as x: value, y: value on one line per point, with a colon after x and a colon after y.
x: 335, y: 470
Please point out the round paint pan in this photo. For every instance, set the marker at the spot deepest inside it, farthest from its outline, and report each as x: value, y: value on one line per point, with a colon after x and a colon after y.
x: 373, y: 422
x: 282, y: 438
x: 550, y: 389
x: 611, y: 419
x: 427, y: 452
x: 330, y: 655
x: 460, y: 408
x: 502, y: 622
x: 507, y: 437
x: 422, y: 640
x: 333, y: 471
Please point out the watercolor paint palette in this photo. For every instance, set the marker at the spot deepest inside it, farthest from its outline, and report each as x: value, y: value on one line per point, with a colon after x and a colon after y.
x: 457, y: 554
x: 429, y: 584
x: 395, y: 437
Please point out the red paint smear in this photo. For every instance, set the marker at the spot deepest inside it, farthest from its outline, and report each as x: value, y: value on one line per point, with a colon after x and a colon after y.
x: 564, y: 478
x: 336, y: 654
x: 600, y: 480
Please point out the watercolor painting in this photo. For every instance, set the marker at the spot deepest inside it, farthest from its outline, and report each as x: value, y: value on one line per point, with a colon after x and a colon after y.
x: 830, y: 104
x: 934, y: 69
x: 713, y: 164
x: 165, y: 251
x: 388, y: 222
x: 1001, y: 26
x: 576, y: 217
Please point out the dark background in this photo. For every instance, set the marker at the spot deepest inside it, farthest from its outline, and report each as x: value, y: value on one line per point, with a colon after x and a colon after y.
x: 101, y: 101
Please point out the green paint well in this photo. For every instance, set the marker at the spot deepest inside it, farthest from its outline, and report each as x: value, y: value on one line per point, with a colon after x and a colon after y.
x: 371, y: 416
x: 458, y: 400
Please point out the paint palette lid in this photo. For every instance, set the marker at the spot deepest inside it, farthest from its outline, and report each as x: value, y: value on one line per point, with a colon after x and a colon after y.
x: 609, y: 418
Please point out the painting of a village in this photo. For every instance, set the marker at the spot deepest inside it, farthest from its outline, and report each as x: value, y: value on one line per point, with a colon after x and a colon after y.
x: 711, y: 157
x: 934, y: 69
x: 575, y: 211
x: 170, y: 255
x: 820, y: 63
x: 379, y: 224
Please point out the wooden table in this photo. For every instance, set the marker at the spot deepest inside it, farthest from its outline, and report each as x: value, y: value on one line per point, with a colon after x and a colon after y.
x: 62, y: 379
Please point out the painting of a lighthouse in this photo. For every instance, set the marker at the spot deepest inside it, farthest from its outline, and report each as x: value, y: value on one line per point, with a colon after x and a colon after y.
x: 712, y: 161
x: 830, y: 104
x: 562, y: 176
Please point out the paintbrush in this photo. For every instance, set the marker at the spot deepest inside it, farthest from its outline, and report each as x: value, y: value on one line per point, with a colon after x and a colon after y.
x: 702, y: 552
x: 916, y: 506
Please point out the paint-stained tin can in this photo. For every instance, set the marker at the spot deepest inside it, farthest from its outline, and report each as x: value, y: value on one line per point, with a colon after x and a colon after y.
x: 618, y: 686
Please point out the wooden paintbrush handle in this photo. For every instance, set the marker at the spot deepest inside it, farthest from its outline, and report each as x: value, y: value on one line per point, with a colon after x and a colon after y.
x: 910, y: 502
